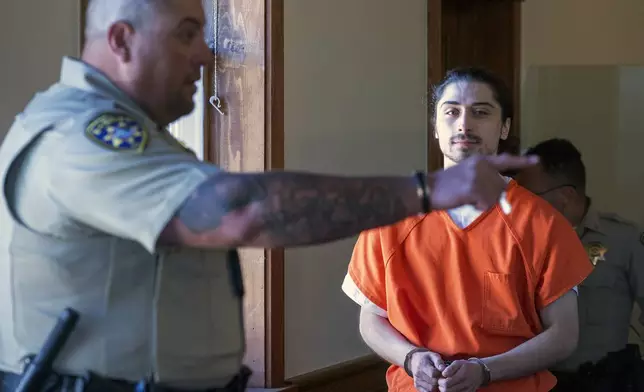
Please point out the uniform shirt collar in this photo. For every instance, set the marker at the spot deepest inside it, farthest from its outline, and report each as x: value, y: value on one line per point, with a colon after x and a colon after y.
x: 78, y: 74
x: 591, y: 220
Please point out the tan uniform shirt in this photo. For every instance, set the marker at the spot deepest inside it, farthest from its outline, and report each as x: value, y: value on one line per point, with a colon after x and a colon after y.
x: 615, y: 247
x: 89, y: 182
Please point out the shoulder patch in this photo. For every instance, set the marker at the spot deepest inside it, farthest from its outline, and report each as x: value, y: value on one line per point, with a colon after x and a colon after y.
x: 117, y: 132
x: 642, y: 237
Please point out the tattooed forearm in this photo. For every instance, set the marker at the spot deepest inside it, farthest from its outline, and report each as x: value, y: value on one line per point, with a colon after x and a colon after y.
x: 290, y: 209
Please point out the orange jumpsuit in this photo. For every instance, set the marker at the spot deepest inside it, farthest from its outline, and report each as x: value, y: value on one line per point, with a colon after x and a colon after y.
x: 469, y: 292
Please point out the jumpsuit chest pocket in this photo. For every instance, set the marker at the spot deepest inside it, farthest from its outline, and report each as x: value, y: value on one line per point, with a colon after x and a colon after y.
x: 500, y: 302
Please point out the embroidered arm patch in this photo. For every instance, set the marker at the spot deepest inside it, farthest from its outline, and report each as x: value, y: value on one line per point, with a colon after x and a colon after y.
x: 117, y: 132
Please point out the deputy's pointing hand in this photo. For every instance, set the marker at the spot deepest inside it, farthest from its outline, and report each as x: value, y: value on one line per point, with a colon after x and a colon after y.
x: 474, y: 181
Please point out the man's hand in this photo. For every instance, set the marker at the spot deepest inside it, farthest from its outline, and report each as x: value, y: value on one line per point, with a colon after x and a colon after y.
x: 474, y: 181
x: 426, y: 368
x: 461, y: 376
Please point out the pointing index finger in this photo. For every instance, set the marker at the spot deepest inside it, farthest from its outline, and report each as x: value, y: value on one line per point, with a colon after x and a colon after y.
x: 505, y: 162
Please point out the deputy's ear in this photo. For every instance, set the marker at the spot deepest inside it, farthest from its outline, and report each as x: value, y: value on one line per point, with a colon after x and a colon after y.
x: 119, y: 37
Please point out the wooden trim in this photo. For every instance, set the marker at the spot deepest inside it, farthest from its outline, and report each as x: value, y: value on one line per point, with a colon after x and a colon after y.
x: 366, y: 374
x: 435, y: 70
x: 81, y: 27
x: 274, y: 267
x: 516, y: 35
x: 209, y: 150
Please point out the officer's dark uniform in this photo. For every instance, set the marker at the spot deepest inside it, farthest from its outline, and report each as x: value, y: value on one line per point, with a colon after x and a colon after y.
x: 616, y: 248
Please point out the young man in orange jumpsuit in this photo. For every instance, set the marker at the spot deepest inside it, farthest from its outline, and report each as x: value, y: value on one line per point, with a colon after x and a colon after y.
x: 471, y: 299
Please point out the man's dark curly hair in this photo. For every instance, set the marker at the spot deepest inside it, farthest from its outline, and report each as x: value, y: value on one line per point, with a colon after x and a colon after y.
x: 561, y: 160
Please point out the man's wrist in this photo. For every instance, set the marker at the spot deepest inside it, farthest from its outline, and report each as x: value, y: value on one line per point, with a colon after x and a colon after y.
x: 485, y: 371
x: 423, y: 191
x: 430, y: 178
x: 408, y: 358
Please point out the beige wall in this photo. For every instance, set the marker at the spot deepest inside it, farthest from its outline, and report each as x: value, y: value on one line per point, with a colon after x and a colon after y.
x: 355, y: 79
x: 572, y: 32
x: 583, y: 79
x: 32, y: 45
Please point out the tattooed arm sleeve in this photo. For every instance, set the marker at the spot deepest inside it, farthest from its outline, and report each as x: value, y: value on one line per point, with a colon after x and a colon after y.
x: 279, y: 209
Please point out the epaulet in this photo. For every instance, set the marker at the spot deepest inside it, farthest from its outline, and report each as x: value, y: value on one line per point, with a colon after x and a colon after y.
x: 116, y: 131
x: 623, y: 221
x: 611, y: 216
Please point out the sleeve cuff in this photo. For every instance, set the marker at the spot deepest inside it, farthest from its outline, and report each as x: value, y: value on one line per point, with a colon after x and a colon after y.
x: 352, y: 291
x: 172, y: 204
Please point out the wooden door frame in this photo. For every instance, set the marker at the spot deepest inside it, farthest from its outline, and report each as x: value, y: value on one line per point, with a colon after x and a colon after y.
x: 82, y: 10
x: 435, y: 71
x: 274, y: 129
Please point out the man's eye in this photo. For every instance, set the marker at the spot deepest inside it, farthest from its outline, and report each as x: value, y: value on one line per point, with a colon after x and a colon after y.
x: 187, y: 36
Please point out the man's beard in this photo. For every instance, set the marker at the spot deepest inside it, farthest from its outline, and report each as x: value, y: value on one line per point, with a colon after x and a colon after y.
x: 458, y: 153
x: 461, y: 155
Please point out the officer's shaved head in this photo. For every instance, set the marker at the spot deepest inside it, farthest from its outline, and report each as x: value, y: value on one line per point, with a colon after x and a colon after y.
x: 561, y: 160
x: 153, y: 50
x: 101, y: 14
x: 560, y: 177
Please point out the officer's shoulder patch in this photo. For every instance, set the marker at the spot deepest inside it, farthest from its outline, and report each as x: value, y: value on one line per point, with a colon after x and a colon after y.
x: 642, y: 237
x: 117, y: 131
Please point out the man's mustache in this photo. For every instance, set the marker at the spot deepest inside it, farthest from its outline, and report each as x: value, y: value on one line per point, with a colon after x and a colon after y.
x: 465, y: 138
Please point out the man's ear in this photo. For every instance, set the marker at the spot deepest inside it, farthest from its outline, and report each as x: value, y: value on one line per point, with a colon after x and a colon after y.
x: 505, y: 129
x: 568, y: 192
x: 119, y: 38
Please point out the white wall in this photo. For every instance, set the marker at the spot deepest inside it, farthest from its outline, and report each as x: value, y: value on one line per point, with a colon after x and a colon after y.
x: 34, y: 35
x: 355, y: 74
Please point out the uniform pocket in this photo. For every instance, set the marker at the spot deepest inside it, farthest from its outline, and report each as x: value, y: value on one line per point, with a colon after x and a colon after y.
x: 603, y: 277
x: 500, y: 302
x: 604, y: 299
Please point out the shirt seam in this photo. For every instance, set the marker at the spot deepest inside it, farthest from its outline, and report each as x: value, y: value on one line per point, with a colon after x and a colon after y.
x: 400, y: 243
x: 173, y: 203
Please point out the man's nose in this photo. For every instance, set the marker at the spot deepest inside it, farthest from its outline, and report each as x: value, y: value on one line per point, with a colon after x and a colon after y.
x: 205, y: 55
x: 465, y: 123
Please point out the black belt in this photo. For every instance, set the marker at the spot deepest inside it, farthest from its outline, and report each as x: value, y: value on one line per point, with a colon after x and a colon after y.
x: 96, y: 383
